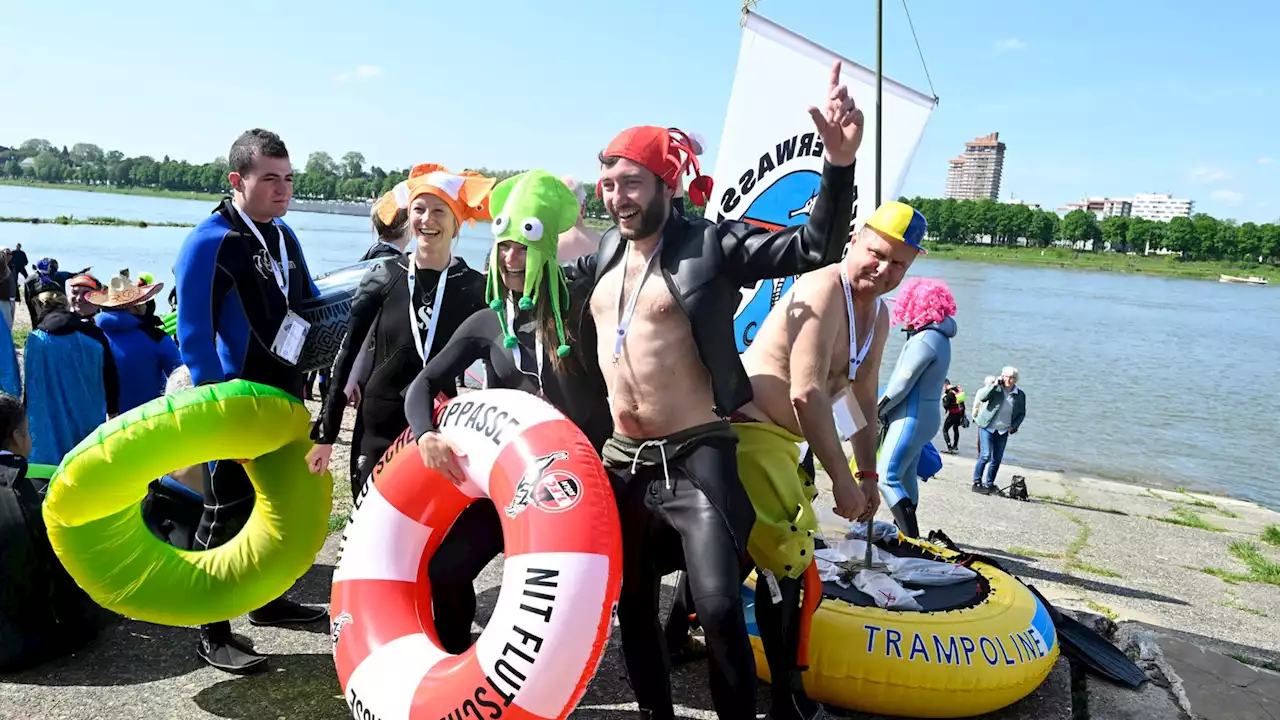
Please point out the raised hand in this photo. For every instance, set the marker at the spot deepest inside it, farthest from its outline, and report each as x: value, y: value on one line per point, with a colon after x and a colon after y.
x: 840, y: 123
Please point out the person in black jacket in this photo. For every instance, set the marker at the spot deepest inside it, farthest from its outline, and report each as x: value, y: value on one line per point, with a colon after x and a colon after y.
x: 412, y: 315
x: 390, y: 220
x: 521, y: 350
x: 670, y: 360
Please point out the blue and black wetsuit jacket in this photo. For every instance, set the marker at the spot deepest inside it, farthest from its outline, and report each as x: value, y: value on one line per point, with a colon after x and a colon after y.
x: 229, y: 306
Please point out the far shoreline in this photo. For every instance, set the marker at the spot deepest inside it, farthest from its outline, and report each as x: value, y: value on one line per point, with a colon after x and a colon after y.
x: 1048, y: 257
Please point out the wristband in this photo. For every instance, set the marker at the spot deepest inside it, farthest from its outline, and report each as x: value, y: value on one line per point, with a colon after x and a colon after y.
x: 860, y: 475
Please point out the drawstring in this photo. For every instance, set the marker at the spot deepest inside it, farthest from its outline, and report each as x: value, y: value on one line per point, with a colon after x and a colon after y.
x: 662, y: 447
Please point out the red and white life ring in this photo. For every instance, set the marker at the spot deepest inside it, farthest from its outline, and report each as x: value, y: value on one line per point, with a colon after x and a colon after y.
x: 561, y: 578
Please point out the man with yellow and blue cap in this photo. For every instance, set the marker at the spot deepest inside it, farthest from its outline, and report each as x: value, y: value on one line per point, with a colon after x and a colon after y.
x: 822, y: 344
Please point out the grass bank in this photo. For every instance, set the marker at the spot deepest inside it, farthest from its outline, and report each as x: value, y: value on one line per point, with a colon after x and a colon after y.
x: 113, y: 190
x: 1105, y: 261
x: 72, y: 220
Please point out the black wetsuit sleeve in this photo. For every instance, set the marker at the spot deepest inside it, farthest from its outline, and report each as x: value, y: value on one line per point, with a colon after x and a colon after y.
x: 582, y: 270
x: 364, y: 311
x: 753, y: 254
x: 470, y: 342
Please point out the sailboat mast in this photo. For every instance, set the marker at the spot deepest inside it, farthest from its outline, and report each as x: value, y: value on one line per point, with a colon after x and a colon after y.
x: 879, y: 86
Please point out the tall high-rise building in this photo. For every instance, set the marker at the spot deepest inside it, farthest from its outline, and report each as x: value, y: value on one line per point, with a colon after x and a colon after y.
x: 976, y: 173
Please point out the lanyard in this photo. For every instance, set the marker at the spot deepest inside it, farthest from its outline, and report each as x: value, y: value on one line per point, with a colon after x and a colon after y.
x: 424, y: 351
x: 856, y: 356
x: 282, y: 280
x: 624, y: 316
x: 515, y: 351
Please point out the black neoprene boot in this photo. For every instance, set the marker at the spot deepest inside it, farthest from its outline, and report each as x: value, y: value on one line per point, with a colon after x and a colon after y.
x: 285, y: 612
x: 904, y: 515
x: 222, y: 650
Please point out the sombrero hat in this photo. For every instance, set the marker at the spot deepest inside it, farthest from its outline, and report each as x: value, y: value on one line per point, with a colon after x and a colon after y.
x: 122, y: 293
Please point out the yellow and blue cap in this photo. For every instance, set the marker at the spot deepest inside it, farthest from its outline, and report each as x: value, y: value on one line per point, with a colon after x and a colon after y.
x: 900, y: 221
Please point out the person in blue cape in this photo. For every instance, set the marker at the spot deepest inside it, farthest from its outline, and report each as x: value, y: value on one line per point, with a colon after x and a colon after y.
x: 72, y: 383
x: 910, y: 406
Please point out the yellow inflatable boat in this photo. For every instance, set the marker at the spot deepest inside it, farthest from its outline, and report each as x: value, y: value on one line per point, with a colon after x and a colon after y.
x: 977, y: 646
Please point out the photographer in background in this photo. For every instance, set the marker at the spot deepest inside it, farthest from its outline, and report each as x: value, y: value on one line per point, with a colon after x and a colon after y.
x: 1003, y: 407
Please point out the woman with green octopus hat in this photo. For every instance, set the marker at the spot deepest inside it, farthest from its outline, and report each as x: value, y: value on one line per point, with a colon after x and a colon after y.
x: 524, y: 341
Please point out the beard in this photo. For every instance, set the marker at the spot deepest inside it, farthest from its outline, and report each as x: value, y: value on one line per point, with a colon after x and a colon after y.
x: 652, y: 217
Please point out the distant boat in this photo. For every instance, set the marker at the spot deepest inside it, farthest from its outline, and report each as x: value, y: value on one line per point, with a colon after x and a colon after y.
x: 1252, y: 280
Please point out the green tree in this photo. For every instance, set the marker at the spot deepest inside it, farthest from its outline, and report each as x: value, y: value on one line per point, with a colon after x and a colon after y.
x: 84, y: 153
x: 1180, y: 237
x: 48, y: 166
x: 353, y: 165
x: 35, y: 146
x: 1249, y: 241
x: 1270, y: 243
x: 1080, y: 227
x: 1115, y: 232
x: 321, y: 163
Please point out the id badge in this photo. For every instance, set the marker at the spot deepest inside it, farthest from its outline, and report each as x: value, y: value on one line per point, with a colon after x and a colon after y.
x: 290, y: 338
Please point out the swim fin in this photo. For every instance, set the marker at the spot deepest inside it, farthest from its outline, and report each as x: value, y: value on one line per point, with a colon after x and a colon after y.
x: 1096, y: 652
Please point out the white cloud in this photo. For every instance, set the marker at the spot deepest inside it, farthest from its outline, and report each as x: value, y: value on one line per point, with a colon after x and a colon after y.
x: 361, y: 71
x: 1265, y: 160
x: 1010, y: 45
x: 1230, y: 198
x: 1207, y: 175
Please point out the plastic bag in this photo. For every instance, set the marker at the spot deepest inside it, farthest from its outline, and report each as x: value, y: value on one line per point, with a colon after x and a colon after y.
x: 919, y: 571
x: 880, y: 530
x: 885, y: 591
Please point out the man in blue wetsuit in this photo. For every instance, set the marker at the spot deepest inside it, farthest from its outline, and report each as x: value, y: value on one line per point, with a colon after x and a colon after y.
x: 238, y: 274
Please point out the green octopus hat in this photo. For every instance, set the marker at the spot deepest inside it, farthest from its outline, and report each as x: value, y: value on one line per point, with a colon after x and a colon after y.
x: 532, y: 208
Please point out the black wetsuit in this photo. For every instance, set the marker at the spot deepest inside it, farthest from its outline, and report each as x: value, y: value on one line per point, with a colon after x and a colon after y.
x: 381, y: 303
x: 475, y: 538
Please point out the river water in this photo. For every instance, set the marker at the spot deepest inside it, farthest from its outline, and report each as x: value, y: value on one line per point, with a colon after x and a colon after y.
x: 1161, y: 381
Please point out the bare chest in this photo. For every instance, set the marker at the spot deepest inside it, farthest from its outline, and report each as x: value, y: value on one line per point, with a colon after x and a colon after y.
x: 628, y: 295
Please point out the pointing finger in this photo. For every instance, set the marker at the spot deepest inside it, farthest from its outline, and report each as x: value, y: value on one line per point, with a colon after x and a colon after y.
x: 835, y: 75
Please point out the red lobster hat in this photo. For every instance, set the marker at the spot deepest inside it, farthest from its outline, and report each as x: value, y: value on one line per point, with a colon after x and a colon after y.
x: 667, y: 153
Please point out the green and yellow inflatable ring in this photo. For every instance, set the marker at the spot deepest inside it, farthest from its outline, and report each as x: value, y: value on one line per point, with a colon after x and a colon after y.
x: 94, y: 516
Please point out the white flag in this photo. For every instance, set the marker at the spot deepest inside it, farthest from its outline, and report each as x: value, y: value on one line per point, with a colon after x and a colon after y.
x: 769, y: 164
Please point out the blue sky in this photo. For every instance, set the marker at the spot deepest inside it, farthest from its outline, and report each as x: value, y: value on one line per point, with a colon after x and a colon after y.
x: 1092, y: 97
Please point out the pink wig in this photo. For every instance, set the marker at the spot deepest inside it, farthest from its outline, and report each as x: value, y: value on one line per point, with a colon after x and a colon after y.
x: 922, y: 301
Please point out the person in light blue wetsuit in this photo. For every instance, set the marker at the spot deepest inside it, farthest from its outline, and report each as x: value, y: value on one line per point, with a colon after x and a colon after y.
x: 910, y: 405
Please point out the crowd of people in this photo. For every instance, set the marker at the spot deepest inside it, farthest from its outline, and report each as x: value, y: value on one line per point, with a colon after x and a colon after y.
x: 629, y: 334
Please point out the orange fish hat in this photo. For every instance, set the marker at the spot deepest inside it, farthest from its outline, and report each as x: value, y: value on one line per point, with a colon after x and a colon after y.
x: 665, y: 152
x: 466, y: 193
x: 397, y: 198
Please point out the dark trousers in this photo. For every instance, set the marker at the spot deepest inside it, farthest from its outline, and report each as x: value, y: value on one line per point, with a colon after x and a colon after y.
x: 951, y: 429
x: 474, y: 540
x: 228, y: 502
x: 669, y: 523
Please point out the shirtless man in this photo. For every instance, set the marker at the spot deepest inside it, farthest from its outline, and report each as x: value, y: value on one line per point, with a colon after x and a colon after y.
x: 671, y: 365
x: 578, y: 240
x: 825, y: 338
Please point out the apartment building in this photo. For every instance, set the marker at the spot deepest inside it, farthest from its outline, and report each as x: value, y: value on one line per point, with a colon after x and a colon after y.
x: 976, y: 174
x: 1160, y: 206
